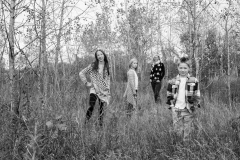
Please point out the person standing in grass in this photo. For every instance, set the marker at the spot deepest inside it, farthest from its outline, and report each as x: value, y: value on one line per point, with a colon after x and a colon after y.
x: 183, y: 96
x: 132, y: 87
x: 99, y: 85
x: 156, y: 76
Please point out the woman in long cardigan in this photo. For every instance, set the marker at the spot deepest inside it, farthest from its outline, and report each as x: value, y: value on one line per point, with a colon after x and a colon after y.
x: 99, y: 86
x: 132, y: 87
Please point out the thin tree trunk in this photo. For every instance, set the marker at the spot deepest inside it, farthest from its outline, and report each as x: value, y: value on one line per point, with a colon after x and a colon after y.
x: 111, y: 62
x: 194, y: 41
x: 221, y: 55
x: 56, y: 85
x: 128, y: 28
x: 63, y: 88
x: 44, y: 55
x: 13, y: 87
x: 189, y: 30
x: 228, y: 62
x: 114, y: 67
x: 13, y: 78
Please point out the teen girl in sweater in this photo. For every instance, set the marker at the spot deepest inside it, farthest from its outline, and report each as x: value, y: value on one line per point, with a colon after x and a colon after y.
x: 156, y: 76
x: 99, y: 83
x: 132, y: 86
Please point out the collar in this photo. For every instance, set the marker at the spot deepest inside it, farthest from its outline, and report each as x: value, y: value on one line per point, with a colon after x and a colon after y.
x: 177, y: 82
x: 178, y: 76
x: 132, y: 69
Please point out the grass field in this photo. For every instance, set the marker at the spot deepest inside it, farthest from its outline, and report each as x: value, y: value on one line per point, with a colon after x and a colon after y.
x: 58, y: 132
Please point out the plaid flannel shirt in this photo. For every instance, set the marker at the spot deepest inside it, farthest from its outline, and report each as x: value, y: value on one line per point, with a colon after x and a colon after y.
x: 191, y: 88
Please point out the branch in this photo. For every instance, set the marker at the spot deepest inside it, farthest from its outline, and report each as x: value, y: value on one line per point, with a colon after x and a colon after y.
x: 20, y: 3
x: 34, y: 19
x: 204, y: 9
x: 5, y: 42
x: 30, y: 63
x: 22, y: 9
x: 59, y: 28
x: 6, y: 5
x: 3, y: 13
x: 188, y: 5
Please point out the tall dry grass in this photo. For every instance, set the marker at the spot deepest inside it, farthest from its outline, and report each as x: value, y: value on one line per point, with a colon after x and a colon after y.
x: 59, y: 133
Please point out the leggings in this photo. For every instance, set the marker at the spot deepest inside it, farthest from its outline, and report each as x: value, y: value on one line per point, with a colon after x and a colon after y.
x: 92, y: 102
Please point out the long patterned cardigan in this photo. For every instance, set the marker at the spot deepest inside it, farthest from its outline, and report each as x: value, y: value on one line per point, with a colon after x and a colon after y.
x: 131, y: 88
x: 100, y: 85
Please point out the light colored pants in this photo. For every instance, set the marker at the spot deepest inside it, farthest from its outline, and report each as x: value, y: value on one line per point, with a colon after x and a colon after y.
x: 182, y: 122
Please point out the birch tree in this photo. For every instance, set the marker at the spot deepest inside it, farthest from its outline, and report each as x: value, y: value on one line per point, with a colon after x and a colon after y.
x: 11, y: 55
x: 43, y: 56
x: 59, y: 35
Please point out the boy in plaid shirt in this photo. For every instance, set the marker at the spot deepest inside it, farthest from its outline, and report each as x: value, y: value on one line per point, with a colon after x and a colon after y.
x: 183, y: 97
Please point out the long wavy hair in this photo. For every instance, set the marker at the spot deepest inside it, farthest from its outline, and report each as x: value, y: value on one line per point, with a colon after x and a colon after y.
x: 96, y: 62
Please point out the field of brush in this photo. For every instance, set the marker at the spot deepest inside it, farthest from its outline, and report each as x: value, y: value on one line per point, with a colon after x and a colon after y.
x: 57, y: 132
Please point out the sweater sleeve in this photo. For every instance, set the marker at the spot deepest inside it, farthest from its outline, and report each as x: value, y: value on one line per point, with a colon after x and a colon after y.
x: 163, y: 71
x: 131, y: 81
x: 169, y: 93
x: 151, y: 74
x: 197, y: 94
x: 84, y: 72
x: 108, y: 81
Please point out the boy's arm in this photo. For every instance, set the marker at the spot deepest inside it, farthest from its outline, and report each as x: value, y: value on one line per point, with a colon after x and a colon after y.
x: 197, y: 94
x: 195, y: 99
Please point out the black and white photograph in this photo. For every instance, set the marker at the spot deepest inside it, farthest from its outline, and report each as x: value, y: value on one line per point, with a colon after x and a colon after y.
x: 119, y: 80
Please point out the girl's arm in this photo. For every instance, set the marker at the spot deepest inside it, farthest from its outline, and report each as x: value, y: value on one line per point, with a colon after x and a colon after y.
x: 108, y: 82
x: 84, y: 72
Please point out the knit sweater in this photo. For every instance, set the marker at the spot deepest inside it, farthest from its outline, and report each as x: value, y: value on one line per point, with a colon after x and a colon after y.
x: 157, y: 72
x: 100, y: 85
x: 132, y: 87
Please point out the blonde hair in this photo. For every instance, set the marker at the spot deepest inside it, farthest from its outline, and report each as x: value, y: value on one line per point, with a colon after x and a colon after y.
x: 156, y: 55
x: 131, y: 61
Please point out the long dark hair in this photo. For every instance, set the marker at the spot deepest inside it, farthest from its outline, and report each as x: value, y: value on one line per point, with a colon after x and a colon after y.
x: 96, y: 62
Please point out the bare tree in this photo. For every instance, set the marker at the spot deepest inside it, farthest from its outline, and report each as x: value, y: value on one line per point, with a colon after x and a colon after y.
x: 58, y: 45
x: 11, y: 56
x: 43, y: 52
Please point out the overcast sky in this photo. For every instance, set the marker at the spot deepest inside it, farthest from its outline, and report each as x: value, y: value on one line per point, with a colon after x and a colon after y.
x: 90, y: 15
